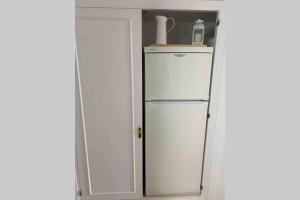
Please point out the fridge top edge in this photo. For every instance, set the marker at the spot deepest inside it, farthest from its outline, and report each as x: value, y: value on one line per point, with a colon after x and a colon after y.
x: 171, y: 49
x: 190, y: 100
x: 147, y: 99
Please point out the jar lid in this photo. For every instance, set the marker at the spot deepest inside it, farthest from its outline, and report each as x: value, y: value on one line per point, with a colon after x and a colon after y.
x: 199, y: 20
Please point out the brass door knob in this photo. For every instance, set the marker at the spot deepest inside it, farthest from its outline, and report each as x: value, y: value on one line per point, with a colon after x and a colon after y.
x: 139, y: 132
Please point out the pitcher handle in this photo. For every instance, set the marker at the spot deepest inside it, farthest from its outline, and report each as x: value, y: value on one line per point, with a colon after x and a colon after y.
x: 173, y: 25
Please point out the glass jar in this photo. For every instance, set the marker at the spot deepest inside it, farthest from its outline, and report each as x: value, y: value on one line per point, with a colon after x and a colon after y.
x: 198, y: 32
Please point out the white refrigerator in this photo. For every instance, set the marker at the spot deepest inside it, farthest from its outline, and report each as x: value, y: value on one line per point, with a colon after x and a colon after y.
x: 177, y: 81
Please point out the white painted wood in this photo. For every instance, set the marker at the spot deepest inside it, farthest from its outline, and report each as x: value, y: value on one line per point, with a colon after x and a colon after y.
x: 175, y: 134
x: 178, y: 49
x: 153, y: 4
x: 110, y: 85
x: 183, y: 197
x: 178, y: 76
x: 216, y: 191
x: 81, y: 165
x: 214, y: 102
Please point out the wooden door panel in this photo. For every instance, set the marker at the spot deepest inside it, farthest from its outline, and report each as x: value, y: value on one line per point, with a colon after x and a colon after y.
x: 110, y: 77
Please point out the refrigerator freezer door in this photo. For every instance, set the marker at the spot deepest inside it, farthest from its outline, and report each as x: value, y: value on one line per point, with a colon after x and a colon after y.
x: 181, y: 76
x: 174, y: 134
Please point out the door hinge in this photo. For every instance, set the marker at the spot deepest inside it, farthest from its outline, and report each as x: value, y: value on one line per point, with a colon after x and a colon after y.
x: 79, y: 193
x: 201, y: 187
x: 208, y: 115
x: 218, y: 22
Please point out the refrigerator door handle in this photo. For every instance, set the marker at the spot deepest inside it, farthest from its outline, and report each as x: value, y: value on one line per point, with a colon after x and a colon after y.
x: 179, y: 55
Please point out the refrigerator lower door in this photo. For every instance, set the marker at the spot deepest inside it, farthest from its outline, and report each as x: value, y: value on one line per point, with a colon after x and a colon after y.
x: 174, y: 134
x: 180, y: 76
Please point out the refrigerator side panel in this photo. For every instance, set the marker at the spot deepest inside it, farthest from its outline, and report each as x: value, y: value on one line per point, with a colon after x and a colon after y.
x: 175, y: 134
x: 177, y: 76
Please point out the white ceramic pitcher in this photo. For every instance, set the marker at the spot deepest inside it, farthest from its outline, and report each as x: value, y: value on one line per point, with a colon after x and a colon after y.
x: 161, y: 28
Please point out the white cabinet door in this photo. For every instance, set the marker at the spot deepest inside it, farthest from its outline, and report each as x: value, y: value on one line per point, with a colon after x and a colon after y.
x: 175, y: 134
x: 109, y: 52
